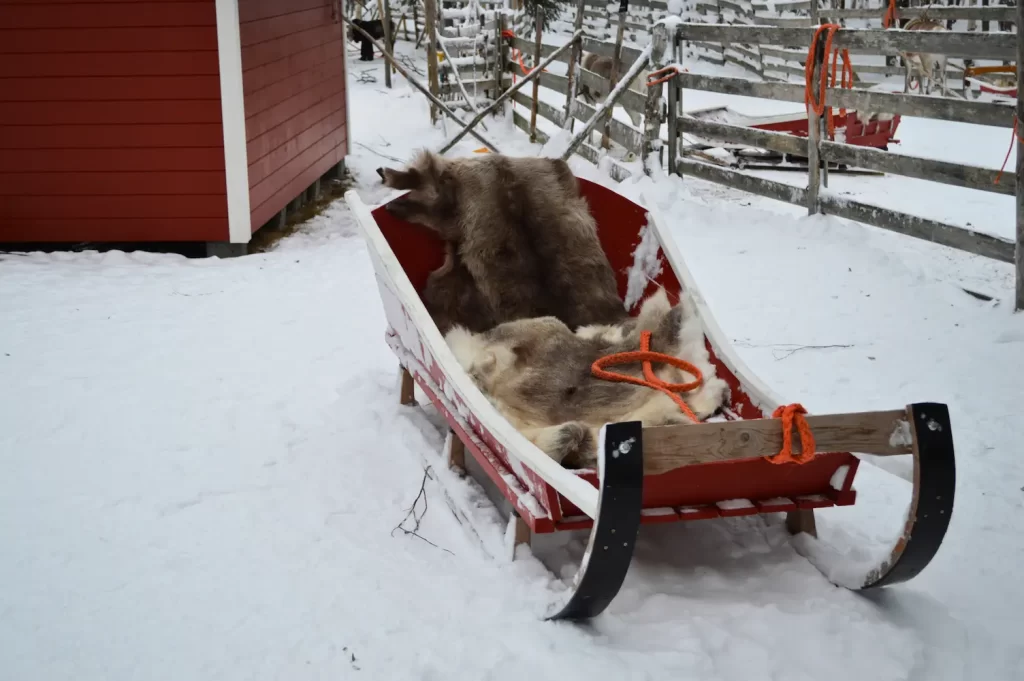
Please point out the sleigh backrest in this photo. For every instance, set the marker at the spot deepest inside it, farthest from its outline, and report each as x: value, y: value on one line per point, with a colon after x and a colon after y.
x: 621, y: 227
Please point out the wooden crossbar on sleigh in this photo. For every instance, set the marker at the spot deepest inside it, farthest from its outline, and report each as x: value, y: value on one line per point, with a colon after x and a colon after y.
x: 661, y: 474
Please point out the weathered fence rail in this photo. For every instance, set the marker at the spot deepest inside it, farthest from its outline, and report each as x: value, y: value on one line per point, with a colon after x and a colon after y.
x: 816, y: 147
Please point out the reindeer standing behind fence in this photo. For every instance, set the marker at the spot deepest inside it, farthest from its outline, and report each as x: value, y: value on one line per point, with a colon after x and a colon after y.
x: 602, y: 66
x: 925, y: 67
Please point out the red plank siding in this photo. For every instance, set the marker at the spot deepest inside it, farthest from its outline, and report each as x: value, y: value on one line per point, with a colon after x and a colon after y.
x: 319, y: 78
x: 266, y: 210
x: 180, y: 183
x: 109, y: 88
x: 135, y: 206
x: 110, y: 113
x: 110, y: 121
x: 105, y: 14
x: 113, y: 229
x: 271, y: 118
x: 254, y: 10
x: 294, y: 85
x: 110, y: 160
x: 110, y: 136
x: 112, y: 64
x: 121, y: 40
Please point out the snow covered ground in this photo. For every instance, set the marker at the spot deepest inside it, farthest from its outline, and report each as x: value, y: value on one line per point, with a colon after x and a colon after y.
x: 202, y: 464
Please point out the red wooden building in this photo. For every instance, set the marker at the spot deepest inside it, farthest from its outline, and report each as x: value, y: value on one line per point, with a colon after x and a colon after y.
x: 165, y: 120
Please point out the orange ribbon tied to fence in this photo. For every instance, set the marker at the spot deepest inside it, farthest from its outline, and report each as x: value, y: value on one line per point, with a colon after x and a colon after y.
x: 645, y: 356
x: 891, y: 15
x: 669, y: 71
x: 817, y: 104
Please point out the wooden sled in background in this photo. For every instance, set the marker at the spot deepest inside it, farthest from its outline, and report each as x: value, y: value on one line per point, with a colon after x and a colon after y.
x: 654, y: 475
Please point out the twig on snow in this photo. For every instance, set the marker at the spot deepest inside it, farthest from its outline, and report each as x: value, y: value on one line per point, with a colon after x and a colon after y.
x: 790, y: 349
x: 417, y: 516
x: 797, y: 348
x: 371, y: 149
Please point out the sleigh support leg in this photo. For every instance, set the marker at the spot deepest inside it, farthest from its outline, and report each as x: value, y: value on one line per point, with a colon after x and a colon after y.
x: 523, y: 534
x: 801, y: 520
x: 455, y: 453
x: 407, y: 393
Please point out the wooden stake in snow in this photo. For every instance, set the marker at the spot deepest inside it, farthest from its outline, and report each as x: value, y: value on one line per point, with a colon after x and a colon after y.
x: 574, y: 65
x: 536, y: 83
x: 606, y: 141
x: 534, y: 73
x: 605, y: 107
x: 1019, y: 255
x: 423, y: 88
x: 385, y: 21
x: 430, y: 31
x: 652, y: 112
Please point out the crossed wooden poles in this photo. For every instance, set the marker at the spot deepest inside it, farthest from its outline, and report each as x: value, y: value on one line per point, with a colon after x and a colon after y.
x: 468, y: 128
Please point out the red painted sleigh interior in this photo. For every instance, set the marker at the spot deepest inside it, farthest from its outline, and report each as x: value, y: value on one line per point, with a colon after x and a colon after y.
x: 691, y: 493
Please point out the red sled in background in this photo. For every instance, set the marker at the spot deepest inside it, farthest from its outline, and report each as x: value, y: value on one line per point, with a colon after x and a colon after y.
x: 876, y: 130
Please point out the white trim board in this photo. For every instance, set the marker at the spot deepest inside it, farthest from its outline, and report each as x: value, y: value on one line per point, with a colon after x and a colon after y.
x: 232, y: 110
x: 344, y: 75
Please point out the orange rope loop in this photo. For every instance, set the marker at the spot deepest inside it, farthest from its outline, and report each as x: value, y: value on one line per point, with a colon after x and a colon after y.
x: 672, y: 72
x: 892, y: 16
x: 793, y: 414
x: 818, y: 104
x: 650, y: 380
x: 1014, y: 137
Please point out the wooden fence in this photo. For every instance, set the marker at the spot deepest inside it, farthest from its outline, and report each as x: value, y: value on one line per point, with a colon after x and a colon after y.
x: 772, y: 62
x: 816, y: 147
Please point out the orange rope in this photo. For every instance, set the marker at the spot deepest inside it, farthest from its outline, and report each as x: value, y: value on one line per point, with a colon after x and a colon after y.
x: 1013, y: 138
x: 650, y: 380
x: 818, y: 105
x: 672, y: 72
x: 891, y: 15
x: 793, y: 414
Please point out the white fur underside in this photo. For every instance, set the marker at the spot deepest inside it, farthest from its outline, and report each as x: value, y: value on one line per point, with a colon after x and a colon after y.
x: 481, y: 359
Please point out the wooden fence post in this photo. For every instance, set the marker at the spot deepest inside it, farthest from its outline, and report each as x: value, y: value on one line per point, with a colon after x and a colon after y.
x: 384, y: 7
x: 536, y: 83
x: 675, y: 99
x: 1019, y: 252
x: 814, y: 131
x: 652, y: 112
x: 429, y: 28
x: 616, y: 65
x: 499, y: 53
x: 575, y: 63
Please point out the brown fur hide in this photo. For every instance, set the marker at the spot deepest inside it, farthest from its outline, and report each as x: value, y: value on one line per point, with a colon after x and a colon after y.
x: 521, y: 232
x: 452, y: 297
x: 538, y: 374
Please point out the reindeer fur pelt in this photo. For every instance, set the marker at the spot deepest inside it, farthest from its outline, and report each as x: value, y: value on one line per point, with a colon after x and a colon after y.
x: 537, y: 373
x: 518, y: 230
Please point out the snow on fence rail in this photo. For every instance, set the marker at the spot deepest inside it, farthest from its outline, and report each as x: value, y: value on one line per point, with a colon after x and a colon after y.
x: 814, y: 147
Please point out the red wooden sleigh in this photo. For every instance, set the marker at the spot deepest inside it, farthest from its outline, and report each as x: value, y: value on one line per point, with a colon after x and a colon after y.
x: 714, y: 469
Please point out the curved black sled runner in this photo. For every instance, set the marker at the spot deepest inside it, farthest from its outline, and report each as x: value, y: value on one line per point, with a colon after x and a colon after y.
x: 673, y: 473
